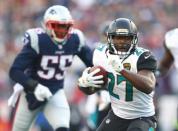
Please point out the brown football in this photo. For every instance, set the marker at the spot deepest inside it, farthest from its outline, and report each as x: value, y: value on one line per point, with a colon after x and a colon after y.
x: 91, y: 90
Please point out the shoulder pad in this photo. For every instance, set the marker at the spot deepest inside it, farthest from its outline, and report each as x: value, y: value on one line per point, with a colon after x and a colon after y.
x: 80, y: 35
x: 33, y: 33
x: 147, y: 61
x: 99, y: 54
x: 139, y: 50
x: 101, y: 47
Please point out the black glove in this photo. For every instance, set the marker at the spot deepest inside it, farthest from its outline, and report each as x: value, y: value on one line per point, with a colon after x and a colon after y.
x: 33, y: 103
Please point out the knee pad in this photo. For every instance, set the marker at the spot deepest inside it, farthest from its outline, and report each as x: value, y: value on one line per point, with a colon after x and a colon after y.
x: 62, y: 129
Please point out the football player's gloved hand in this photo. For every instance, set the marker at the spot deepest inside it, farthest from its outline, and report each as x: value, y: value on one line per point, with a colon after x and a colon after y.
x: 115, y: 62
x: 17, y: 89
x: 88, y: 79
x: 42, y: 92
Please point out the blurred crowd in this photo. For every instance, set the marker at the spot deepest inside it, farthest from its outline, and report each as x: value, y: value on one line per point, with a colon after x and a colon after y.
x: 152, y: 17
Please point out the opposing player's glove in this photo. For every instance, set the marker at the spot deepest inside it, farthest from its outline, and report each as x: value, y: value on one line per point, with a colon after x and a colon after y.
x: 42, y: 92
x: 88, y: 79
x: 17, y: 89
x: 115, y: 62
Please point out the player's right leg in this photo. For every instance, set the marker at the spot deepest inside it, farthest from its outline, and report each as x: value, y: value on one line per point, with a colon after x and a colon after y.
x: 23, y: 116
x: 57, y: 111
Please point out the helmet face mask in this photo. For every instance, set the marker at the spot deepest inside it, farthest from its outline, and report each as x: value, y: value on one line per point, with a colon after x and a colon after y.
x: 58, y: 22
x: 121, y: 43
x: 122, y: 36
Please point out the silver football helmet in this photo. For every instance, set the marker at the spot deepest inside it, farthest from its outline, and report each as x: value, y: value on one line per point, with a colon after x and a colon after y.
x: 57, y: 22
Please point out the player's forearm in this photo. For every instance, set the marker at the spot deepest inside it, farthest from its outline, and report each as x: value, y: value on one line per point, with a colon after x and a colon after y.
x: 19, y: 77
x: 141, y: 82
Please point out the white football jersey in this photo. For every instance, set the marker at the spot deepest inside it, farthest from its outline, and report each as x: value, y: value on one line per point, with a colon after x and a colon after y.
x: 171, y: 43
x: 127, y: 102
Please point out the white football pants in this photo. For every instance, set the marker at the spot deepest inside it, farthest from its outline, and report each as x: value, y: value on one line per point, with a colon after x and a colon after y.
x: 56, y: 111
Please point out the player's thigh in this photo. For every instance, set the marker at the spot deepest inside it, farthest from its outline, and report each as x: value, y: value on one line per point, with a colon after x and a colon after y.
x: 23, y: 116
x: 57, y: 110
x: 113, y: 122
x: 145, y: 124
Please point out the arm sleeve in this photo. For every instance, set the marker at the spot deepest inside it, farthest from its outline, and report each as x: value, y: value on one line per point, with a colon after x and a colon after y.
x: 24, y: 60
x: 147, y: 62
x: 85, y: 53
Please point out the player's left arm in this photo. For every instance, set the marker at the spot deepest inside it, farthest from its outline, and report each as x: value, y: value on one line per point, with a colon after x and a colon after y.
x: 166, y: 62
x: 23, y: 60
x: 27, y: 58
x: 144, y: 80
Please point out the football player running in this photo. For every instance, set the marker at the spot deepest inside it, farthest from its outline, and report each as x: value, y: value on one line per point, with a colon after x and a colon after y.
x: 40, y: 69
x: 131, y: 79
